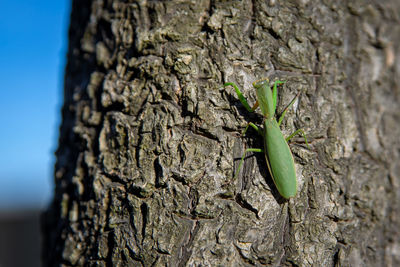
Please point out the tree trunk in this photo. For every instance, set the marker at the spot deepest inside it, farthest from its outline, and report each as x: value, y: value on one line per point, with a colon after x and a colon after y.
x: 150, y: 140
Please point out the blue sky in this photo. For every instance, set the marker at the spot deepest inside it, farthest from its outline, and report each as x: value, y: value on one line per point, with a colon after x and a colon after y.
x: 33, y: 42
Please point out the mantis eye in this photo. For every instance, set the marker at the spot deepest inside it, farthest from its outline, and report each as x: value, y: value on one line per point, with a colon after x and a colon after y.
x: 260, y: 83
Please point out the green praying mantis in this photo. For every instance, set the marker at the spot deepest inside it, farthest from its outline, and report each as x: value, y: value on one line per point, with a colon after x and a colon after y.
x: 276, y: 149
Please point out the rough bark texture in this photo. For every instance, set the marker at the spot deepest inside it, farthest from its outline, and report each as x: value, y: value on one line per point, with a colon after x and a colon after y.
x: 146, y: 158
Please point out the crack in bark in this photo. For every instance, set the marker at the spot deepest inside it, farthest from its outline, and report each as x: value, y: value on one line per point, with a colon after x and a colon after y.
x: 186, y: 249
x: 244, y: 204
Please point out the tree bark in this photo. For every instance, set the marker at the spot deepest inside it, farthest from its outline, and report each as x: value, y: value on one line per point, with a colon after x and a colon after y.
x: 150, y: 139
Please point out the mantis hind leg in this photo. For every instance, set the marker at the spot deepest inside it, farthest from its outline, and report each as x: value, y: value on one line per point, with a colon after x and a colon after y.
x: 296, y: 132
x: 242, y: 159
